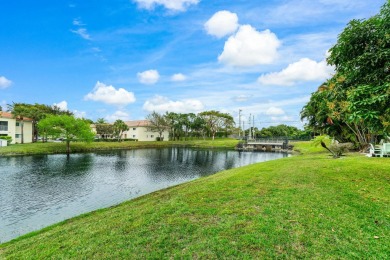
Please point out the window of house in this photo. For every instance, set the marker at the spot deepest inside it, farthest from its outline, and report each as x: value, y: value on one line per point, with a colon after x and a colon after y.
x: 18, y: 135
x: 17, y: 124
x: 151, y: 136
x: 134, y: 136
x: 3, y: 125
x: 134, y: 128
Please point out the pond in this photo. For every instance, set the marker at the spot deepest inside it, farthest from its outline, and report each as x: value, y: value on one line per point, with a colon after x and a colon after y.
x: 37, y: 191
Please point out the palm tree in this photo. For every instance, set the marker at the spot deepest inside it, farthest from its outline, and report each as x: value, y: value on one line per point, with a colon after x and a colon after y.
x: 19, y: 111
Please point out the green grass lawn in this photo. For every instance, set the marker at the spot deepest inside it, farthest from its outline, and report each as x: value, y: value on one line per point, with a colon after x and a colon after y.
x: 51, y: 148
x: 306, y: 206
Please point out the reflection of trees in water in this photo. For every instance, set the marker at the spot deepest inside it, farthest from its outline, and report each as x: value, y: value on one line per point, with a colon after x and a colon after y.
x: 178, y: 163
x: 54, y: 183
x: 41, y: 182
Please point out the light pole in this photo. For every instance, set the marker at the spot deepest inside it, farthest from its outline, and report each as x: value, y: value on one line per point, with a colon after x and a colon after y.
x: 239, y: 123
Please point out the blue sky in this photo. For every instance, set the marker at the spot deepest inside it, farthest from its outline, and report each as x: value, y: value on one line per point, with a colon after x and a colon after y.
x: 122, y: 59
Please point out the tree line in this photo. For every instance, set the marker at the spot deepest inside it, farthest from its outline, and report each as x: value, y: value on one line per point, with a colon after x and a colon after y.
x: 188, y: 125
x: 354, y: 104
x: 282, y: 130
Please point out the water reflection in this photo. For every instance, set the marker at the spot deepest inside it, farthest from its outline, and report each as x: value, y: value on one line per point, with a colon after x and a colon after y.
x: 36, y: 191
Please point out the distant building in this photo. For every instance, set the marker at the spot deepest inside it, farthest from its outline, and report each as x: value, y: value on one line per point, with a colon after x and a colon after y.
x: 139, y: 129
x: 10, y: 126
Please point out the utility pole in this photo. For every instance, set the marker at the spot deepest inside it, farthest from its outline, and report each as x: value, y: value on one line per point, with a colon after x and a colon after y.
x: 253, y: 124
x: 250, y: 127
x: 239, y: 123
x: 243, y: 127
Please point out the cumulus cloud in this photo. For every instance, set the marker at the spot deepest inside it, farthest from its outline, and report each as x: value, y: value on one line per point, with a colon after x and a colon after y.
x: 82, y: 32
x: 178, y: 77
x: 4, y: 82
x: 163, y: 104
x: 122, y: 115
x: 148, y: 77
x: 303, y: 70
x: 274, y: 111
x: 174, y: 5
x: 222, y: 23
x: 63, y: 105
x: 248, y: 47
x: 110, y: 95
x: 79, y: 114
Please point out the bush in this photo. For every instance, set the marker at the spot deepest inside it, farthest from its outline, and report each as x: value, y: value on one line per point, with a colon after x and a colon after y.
x: 8, y: 138
x: 114, y: 140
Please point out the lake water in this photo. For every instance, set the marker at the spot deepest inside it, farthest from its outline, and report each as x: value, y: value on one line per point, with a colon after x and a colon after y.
x: 37, y: 191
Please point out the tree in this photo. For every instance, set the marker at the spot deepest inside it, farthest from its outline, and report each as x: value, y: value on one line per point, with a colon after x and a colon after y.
x: 173, y: 124
x: 355, y: 103
x: 68, y: 127
x: 157, y: 123
x: 35, y: 112
x: 19, y: 111
x: 101, y: 121
x: 216, y: 120
x: 119, y: 127
x: 104, y: 130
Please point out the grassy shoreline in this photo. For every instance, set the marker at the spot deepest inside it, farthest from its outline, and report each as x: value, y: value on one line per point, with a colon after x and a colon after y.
x: 307, y: 206
x: 79, y: 147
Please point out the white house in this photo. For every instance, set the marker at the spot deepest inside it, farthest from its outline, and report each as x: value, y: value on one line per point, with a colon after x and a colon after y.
x: 139, y: 130
x: 10, y: 126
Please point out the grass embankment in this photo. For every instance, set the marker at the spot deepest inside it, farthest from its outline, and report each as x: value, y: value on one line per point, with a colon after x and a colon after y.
x: 77, y: 147
x: 307, y: 206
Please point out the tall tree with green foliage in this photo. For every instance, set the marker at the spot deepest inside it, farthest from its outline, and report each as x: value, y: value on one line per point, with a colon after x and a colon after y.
x: 355, y: 103
x: 20, y: 112
x: 216, y: 121
x: 35, y: 112
x: 157, y: 123
x: 119, y: 127
x: 68, y: 127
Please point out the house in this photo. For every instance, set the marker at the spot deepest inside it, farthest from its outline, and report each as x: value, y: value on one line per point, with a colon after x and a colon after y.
x: 10, y: 126
x: 139, y: 129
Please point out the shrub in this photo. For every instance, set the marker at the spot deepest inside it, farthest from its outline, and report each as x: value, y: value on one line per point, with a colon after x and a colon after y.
x: 8, y: 138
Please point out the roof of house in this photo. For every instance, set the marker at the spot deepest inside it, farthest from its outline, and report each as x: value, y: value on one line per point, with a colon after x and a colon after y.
x: 137, y: 123
x: 9, y: 115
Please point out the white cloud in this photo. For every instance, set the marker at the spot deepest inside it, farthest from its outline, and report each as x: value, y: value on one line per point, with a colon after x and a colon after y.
x: 80, y: 114
x: 148, y: 77
x: 163, y: 104
x: 122, y: 115
x: 63, y: 105
x: 222, y: 23
x: 303, y: 70
x: 4, y: 82
x: 175, y: 5
x: 241, y: 98
x: 282, y: 119
x: 82, y: 32
x: 3, y: 105
x: 110, y: 95
x: 274, y: 111
x: 249, y: 47
x: 77, y: 22
x: 178, y: 77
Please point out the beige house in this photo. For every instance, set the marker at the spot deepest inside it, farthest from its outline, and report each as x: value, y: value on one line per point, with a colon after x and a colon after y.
x: 10, y: 126
x: 139, y: 130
